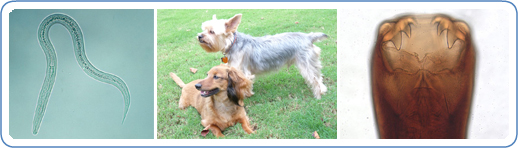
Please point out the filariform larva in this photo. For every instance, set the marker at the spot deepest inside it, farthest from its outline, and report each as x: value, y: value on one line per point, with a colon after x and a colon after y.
x: 51, y: 58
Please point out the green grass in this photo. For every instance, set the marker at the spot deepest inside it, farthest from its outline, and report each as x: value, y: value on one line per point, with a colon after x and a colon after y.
x: 283, y: 106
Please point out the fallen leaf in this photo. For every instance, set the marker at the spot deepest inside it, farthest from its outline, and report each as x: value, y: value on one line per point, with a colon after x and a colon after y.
x: 296, y: 22
x: 205, y: 131
x: 193, y: 70
x: 262, y: 18
x: 315, y: 134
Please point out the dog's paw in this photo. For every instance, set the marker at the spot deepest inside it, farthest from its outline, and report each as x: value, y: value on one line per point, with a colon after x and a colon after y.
x: 250, y: 132
x: 251, y: 77
x: 253, y: 130
x: 248, y: 95
x: 323, y: 89
x: 220, y: 136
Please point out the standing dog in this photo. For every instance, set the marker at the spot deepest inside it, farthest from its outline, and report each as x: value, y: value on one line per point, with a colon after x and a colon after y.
x: 257, y: 55
x: 218, y: 98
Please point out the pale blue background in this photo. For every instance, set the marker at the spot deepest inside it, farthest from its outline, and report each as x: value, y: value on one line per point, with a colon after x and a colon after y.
x: 120, y: 42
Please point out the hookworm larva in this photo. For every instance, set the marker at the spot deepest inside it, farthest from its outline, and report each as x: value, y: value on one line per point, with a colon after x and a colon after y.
x: 51, y: 58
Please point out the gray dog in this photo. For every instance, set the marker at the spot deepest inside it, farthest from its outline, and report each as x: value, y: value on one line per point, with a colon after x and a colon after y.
x: 257, y: 55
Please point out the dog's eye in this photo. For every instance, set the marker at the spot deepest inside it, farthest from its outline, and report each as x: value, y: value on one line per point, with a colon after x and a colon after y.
x: 211, y: 32
x: 216, y: 77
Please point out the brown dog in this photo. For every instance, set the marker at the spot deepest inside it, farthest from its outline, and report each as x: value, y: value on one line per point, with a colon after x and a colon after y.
x: 218, y: 98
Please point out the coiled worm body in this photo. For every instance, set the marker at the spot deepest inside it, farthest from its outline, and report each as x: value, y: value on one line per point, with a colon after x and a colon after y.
x: 50, y: 54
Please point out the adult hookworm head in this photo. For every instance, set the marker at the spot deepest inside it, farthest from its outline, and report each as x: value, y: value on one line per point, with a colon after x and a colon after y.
x: 422, y: 77
x: 51, y: 58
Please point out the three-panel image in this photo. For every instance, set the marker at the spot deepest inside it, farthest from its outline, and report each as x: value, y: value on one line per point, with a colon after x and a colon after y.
x: 259, y: 74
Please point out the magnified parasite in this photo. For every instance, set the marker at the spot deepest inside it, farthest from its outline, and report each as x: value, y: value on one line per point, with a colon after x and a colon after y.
x: 422, y: 77
x: 50, y: 54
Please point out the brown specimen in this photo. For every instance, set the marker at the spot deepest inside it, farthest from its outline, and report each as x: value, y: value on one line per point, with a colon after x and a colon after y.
x: 218, y: 98
x: 422, y: 77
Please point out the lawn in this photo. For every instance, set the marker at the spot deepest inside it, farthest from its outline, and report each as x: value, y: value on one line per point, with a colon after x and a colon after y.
x: 283, y: 106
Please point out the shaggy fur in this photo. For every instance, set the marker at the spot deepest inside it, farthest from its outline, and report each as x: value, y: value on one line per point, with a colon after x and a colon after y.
x: 258, y: 55
x: 218, y: 98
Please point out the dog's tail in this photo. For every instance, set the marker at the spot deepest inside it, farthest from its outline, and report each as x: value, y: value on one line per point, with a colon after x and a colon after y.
x: 177, y: 80
x: 318, y: 36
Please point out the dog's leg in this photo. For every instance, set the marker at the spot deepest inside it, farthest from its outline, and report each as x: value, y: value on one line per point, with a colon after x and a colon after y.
x: 246, y: 125
x: 309, y: 67
x: 185, y: 99
x: 216, y: 131
x: 213, y: 127
x: 323, y: 88
x: 182, y: 103
x: 250, y: 77
x: 248, y: 95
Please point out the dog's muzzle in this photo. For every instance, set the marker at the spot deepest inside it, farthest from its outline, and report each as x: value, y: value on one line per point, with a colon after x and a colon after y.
x: 206, y: 93
x: 200, y: 36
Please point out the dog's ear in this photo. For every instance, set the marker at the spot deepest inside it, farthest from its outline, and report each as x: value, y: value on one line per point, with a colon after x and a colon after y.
x: 214, y: 17
x: 231, y: 92
x: 232, y: 24
x: 242, y: 85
